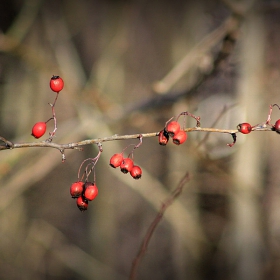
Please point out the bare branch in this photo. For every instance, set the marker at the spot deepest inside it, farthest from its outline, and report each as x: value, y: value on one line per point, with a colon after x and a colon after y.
x: 76, y: 145
x: 154, y: 224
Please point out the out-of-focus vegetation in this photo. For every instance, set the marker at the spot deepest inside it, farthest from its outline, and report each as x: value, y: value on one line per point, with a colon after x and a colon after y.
x: 128, y: 67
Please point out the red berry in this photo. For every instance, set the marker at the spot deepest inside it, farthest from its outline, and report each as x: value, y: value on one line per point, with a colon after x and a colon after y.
x: 276, y: 127
x: 77, y: 189
x: 91, y: 191
x: 180, y: 137
x: 163, y: 137
x: 82, y: 203
x: 116, y: 160
x: 136, y: 172
x: 126, y: 165
x: 173, y: 128
x: 56, y: 84
x: 39, y: 129
x: 244, y: 128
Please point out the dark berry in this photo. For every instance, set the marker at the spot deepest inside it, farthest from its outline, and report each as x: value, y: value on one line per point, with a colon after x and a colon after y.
x: 77, y: 189
x: 136, y: 172
x: 163, y: 137
x: 82, y: 203
x: 126, y: 165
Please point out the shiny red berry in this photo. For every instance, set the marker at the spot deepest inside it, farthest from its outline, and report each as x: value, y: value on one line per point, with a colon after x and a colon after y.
x: 172, y: 128
x: 276, y: 127
x: 91, y: 191
x: 244, y: 128
x: 82, y: 203
x: 136, y: 172
x: 56, y: 84
x: 116, y: 160
x: 163, y: 137
x: 77, y: 189
x: 126, y: 165
x: 39, y: 129
x: 180, y: 137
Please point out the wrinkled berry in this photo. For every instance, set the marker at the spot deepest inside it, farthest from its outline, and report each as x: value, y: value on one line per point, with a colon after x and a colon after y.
x: 76, y: 189
x: 126, y: 165
x: 136, y: 172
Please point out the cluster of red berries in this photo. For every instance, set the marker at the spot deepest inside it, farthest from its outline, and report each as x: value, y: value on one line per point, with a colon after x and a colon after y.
x: 39, y: 128
x: 126, y: 165
x: 83, y: 193
x: 173, y: 130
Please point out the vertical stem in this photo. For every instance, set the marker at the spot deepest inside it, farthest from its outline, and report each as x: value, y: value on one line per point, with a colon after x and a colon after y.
x: 54, y: 118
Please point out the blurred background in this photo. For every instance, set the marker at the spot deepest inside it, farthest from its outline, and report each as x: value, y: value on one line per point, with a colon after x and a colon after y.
x: 128, y: 67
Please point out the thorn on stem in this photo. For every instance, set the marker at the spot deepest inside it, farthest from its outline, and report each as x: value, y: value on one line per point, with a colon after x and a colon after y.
x: 234, y: 139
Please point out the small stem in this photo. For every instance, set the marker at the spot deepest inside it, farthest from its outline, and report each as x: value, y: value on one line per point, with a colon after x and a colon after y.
x: 54, y: 119
x: 49, y: 119
x: 191, y: 115
x: 81, y: 168
x: 93, y: 162
x: 168, y: 121
x: 140, y: 142
x: 270, y: 112
x: 136, y: 146
x: 269, y: 115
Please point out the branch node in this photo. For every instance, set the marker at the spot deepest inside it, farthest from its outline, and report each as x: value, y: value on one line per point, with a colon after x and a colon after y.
x: 99, y: 145
x: 63, y: 155
x: 8, y: 144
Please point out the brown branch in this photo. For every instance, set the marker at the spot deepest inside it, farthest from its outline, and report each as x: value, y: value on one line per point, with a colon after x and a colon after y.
x: 76, y: 145
x: 154, y: 224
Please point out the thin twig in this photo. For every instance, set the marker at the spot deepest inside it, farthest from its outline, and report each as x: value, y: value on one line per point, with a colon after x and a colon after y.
x: 54, y: 118
x: 154, y: 224
x: 76, y: 145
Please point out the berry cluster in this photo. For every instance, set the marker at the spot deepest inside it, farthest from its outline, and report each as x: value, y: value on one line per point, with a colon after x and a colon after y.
x: 39, y: 128
x: 83, y: 193
x: 175, y: 131
x: 126, y: 164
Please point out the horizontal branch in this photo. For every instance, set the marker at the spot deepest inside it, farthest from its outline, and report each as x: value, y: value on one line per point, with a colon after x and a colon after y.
x: 77, y: 145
